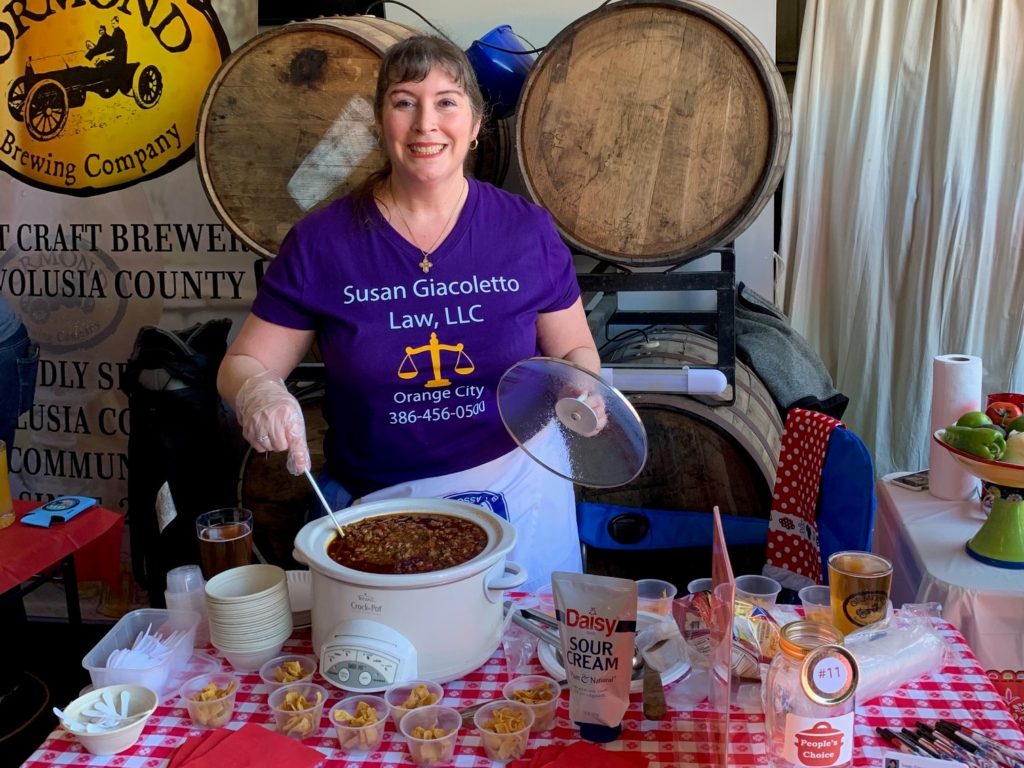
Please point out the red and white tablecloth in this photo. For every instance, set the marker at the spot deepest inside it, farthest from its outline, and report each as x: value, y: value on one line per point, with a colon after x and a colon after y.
x: 961, y: 692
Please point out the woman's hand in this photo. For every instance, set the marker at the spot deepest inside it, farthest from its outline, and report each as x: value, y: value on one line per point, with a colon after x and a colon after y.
x: 271, y: 419
x: 592, y: 400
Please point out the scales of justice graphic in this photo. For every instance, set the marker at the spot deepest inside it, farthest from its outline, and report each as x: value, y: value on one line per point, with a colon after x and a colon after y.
x: 463, y: 363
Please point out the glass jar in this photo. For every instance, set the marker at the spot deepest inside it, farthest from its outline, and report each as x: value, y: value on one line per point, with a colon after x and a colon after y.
x: 808, y: 699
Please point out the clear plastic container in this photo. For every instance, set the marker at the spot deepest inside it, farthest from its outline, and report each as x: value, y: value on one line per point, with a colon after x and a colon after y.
x: 280, y: 670
x: 509, y: 740
x: 297, y: 708
x: 431, y: 733
x: 808, y: 698
x: 210, y: 699
x: 416, y: 693
x: 540, y: 694
x: 356, y: 736
x: 157, y: 621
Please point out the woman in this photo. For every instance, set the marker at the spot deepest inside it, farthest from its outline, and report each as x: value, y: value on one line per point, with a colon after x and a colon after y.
x: 421, y: 288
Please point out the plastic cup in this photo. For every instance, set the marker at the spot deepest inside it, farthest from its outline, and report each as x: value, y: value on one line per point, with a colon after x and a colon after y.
x: 225, y: 539
x: 280, y: 670
x: 360, y: 737
x: 699, y: 585
x: 531, y: 690
x: 546, y: 600
x: 217, y: 702
x: 817, y: 603
x: 504, y: 746
x: 655, y: 596
x: 185, y: 578
x: 859, y: 586
x: 427, y: 748
x: 297, y: 708
x: 399, y: 695
x: 759, y: 590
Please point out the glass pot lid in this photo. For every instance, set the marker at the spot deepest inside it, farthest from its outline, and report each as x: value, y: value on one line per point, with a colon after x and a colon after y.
x: 572, y: 422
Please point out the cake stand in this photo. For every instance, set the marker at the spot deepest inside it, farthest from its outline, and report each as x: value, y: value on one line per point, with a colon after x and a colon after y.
x: 1000, y: 540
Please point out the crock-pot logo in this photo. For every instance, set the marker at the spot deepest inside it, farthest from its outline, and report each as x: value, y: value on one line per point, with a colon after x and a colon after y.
x: 104, y: 93
x: 364, y: 603
x: 68, y: 300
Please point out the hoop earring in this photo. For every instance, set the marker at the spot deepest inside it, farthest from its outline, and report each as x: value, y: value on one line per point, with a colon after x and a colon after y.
x: 473, y: 144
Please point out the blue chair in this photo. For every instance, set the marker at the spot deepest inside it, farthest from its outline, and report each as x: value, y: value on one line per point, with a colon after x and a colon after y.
x: 654, y: 542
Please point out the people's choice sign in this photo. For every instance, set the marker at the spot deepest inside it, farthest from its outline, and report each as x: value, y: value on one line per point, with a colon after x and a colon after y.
x: 101, y: 94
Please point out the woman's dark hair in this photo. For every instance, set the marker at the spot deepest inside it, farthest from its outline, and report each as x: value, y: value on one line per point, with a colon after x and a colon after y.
x: 410, y: 61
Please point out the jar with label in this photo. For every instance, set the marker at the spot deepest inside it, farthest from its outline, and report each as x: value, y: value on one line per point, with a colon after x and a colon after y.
x: 808, y: 699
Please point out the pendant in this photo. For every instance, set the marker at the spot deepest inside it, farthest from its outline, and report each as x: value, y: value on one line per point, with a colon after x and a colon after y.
x: 426, y: 264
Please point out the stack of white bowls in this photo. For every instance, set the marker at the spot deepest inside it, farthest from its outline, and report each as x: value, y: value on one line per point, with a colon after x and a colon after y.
x: 249, y: 614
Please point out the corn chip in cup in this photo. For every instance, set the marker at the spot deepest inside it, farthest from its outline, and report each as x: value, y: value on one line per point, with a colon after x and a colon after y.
x: 359, y: 722
x: 210, y: 699
x: 504, y: 728
x: 430, y: 734
x: 297, y: 708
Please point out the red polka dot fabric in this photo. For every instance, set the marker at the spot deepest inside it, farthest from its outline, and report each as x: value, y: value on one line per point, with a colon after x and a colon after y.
x: 793, y: 527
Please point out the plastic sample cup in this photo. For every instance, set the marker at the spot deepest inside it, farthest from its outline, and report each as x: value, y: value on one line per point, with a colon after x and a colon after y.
x: 699, y: 585
x: 817, y: 603
x: 359, y: 722
x: 859, y: 583
x: 210, y: 699
x: 225, y: 539
x: 540, y: 694
x: 655, y: 596
x: 410, y: 695
x: 431, y: 733
x: 546, y: 600
x: 504, y: 728
x: 287, y: 669
x: 297, y: 708
x: 759, y: 590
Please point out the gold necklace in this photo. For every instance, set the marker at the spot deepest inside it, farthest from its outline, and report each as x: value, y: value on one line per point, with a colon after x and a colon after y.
x: 426, y: 264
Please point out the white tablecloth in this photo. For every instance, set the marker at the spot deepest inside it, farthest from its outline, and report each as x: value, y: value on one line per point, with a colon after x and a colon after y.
x: 924, y: 537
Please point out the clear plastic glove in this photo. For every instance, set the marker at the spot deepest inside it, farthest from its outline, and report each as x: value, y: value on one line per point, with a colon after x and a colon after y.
x: 271, y: 419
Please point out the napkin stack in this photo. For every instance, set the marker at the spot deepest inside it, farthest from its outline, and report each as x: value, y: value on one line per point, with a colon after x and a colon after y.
x: 251, y: 746
x: 577, y: 754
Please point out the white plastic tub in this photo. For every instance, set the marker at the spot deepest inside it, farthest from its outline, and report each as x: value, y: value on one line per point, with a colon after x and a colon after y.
x: 159, y: 621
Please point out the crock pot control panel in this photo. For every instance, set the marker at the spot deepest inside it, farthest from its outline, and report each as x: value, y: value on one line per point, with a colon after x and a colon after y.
x: 363, y: 656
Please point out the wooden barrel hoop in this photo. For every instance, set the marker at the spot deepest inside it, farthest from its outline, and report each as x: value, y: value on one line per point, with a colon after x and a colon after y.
x: 653, y: 130
x: 286, y: 125
x: 700, y: 455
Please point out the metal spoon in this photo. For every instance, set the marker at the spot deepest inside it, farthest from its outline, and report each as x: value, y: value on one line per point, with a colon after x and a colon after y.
x: 320, y: 495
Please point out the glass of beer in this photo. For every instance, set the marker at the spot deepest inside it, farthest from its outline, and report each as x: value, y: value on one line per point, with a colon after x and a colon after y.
x: 225, y: 539
x: 859, y: 585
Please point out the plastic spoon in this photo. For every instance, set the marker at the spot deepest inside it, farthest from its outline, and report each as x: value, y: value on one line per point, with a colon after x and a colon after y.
x: 320, y: 495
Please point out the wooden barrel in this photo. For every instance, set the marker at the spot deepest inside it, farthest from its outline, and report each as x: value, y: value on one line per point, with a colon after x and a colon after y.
x: 286, y: 123
x: 653, y: 130
x: 699, y: 455
x: 277, y: 498
x: 490, y: 160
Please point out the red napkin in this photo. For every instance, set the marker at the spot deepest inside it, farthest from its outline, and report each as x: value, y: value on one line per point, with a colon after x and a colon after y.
x: 577, y: 754
x: 251, y: 746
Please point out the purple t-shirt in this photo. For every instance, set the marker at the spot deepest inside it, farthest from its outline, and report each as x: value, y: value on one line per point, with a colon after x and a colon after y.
x: 412, y: 359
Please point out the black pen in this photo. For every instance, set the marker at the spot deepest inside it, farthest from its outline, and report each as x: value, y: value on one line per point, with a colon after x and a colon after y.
x: 900, y: 742
x: 981, y: 752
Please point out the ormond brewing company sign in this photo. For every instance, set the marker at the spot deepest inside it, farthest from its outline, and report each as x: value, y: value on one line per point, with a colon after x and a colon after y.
x: 103, y: 93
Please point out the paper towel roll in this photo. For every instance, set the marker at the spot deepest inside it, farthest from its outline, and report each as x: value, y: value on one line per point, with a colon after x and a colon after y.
x: 956, y: 389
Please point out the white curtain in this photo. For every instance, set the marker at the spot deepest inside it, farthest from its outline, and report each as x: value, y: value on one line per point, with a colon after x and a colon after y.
x: 903, y: 205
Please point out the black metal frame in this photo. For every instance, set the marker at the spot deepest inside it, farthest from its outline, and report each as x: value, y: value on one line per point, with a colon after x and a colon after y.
x: 721, y: 321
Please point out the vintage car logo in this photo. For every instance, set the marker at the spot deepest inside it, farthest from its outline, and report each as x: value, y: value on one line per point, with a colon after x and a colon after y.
x: 99, y: 99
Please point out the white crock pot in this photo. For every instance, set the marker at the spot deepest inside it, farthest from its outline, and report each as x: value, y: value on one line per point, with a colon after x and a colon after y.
x: 453, y: 617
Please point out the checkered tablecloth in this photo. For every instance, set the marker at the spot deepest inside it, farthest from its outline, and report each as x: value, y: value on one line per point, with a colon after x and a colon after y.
x: 960, y: 692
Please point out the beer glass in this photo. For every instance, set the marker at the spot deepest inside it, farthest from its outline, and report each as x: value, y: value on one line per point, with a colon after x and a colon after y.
x: 859, y: 585
x: 225, y: 539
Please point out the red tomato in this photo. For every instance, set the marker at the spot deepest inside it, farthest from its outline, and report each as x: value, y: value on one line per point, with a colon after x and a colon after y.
x: 1002, y: 412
